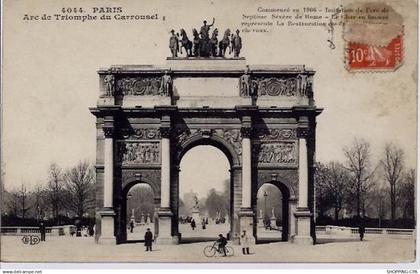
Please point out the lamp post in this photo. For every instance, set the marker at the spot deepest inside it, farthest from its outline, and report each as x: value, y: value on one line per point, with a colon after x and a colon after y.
x: 128, y: 202
x: 265, y: 206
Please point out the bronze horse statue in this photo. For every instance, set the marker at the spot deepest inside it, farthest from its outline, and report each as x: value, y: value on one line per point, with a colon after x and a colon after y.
x: 196, y: 43
x: 213, y: 43
x: 224, y: 43
x: 185, y: 43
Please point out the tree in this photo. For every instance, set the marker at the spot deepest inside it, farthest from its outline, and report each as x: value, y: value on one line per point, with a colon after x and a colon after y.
x: 216, y: 203
x: 23, y: 201
x: 332, y: 184
x: 78, y: 182
x: 407, y: 194
x: 358, y: 163
x: 13, y: 203
x: 55, y: 189
x: 39, y: 200
x: 393, y: 164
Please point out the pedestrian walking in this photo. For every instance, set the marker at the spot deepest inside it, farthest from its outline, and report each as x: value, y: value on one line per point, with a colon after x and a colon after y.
x: 245, y: 243
x: 131, y: 226
x: 193, y: 224
x: 203, y: 223
x: 43, y: 231
x: 148, y: 239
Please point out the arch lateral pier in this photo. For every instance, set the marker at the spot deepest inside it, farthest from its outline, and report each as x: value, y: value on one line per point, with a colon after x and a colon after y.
x: 262, y: 118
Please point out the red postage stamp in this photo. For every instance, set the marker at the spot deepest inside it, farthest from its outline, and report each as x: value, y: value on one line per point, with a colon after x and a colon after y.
x: 371, y: 57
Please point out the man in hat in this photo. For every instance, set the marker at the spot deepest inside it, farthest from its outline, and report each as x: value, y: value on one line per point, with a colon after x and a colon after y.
x: 245, y: 243
x: 174, y: 44
x: 148, y: 239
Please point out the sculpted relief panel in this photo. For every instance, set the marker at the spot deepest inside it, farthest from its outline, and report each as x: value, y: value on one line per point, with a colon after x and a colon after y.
x: 300, y: 85
x: 139, y: 153
x: 140, y: 133
x: 277, y: 153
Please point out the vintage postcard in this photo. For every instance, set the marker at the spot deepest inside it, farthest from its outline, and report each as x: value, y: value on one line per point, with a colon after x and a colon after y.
x: 209, y: 131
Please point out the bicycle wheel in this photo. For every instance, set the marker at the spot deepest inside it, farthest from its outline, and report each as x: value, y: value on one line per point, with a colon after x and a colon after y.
x: 209, y: 251
x: 229, y: 251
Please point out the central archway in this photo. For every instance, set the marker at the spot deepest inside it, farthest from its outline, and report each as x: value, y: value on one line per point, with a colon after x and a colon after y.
x: 208, y: 169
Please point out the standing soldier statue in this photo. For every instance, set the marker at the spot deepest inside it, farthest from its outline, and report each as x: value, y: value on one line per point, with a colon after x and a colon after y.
x: 174, y: 44
x: 237, y: 44
x: 166, y: 84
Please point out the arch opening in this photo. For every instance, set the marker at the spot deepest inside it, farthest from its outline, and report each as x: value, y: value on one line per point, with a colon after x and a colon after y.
x: 139, y: 211
x: 272, y: 212
x: 204, y: 196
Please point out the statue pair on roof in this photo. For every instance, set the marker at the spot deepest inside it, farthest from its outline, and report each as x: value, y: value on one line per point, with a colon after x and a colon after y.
x: 203, y: 45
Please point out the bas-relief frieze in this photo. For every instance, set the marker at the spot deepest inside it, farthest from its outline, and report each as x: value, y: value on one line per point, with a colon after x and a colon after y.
x: 301, y: 85
x: 283, y: 153
x: 139, y: 153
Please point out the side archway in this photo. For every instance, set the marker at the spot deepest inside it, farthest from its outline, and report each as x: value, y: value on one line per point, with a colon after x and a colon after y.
x: 273, y: 223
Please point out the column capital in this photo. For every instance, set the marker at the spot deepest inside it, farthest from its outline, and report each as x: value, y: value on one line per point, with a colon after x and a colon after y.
x: 108, y: 131
x: 246, y: 132
x: 302, y: 132
x: 165, y: 132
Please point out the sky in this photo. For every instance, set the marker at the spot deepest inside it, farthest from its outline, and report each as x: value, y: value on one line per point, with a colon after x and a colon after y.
x: 50, y: 80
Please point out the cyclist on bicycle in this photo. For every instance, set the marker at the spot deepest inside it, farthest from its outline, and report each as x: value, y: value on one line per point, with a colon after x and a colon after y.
x: 222, y: 241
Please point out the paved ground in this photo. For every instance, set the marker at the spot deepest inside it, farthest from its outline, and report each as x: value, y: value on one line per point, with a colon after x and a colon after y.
x: 67, y: 249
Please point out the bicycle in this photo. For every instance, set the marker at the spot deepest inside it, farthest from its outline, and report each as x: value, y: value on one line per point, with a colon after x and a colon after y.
x: 210, y: 251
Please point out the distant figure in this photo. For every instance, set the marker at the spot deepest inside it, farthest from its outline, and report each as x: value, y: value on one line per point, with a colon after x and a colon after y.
x: 43, y: 231
x: 361, y: 229
x: 237, y: 44
x: 193, y: 224
x: 91, y: 231
x: 245, y: 243
x: 131, y: 226
x: 222, y: 241
x: 174, y: 44
x: 148, y: 239
x: 85, y: 231
x: 203, y: 223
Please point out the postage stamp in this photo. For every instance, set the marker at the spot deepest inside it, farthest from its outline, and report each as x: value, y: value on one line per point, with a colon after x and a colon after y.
x: 373, y: 35
x: 372, y: 57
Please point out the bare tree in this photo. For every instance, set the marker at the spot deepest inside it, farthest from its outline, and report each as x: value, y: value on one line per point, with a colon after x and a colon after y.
x: 333, y: 184
x: 358, y: 163
x: 55, y: 189
x: 39, y: 200
x: 407, y: 194
x: 23, y: 201
x: 79, y: 187
x: 13, y: 203
x: 393, y: 164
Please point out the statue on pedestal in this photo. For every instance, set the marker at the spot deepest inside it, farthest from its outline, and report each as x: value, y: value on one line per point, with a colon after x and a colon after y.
x: 109, y: 85
x: 166, y: 84
x: 174, y: 44
x: 205, y: 48
x: 237, y: 44
x: 245, y: 83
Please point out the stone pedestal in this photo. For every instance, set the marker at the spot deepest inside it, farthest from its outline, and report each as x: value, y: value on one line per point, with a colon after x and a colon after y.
x: 273, y: 222
x: 107, y: 227
x: 196, y: 216
x: 303, y: 227
x: 246, y: 220
x: 165, y: 225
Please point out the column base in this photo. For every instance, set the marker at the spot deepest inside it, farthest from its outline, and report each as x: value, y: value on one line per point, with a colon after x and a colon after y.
x: 107, y: 227
x: 303, y: 229
x: 165, y: 228
x: 302, y: 240
x: 246, y: 222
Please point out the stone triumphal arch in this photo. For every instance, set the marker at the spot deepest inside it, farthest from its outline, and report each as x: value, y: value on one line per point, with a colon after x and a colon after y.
x: 261, y: 117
